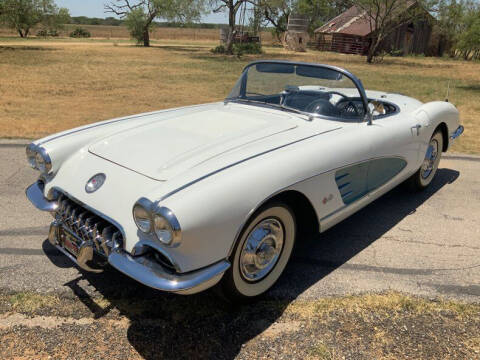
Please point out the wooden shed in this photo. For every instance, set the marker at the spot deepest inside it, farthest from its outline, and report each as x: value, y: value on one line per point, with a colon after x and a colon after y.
x: 351, y: 33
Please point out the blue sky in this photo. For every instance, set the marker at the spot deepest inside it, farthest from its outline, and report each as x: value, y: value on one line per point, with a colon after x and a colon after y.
x: 94, y: 8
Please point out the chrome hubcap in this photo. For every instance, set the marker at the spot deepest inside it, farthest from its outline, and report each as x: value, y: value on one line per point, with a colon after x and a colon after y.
x: 262, y: 249
x: 430, y: 158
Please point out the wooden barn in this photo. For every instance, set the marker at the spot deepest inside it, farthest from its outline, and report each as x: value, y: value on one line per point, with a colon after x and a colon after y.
x: 351, y: 33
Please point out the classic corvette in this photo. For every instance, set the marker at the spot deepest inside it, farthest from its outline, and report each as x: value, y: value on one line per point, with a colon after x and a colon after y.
x: 217, y: 194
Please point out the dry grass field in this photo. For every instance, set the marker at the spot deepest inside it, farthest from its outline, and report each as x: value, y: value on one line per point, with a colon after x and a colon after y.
x: 52, y: 85
x: 158, y: 33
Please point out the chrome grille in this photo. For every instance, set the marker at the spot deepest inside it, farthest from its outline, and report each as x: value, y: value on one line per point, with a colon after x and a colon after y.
x: 87, y: 227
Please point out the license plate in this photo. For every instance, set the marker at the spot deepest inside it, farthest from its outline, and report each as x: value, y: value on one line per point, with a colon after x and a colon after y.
x: 70, y: 244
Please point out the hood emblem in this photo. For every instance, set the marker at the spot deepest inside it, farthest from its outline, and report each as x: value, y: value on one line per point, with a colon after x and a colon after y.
x: 95, y: 182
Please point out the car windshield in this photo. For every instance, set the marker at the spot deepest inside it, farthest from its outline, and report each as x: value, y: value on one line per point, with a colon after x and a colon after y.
x: 308, y: 89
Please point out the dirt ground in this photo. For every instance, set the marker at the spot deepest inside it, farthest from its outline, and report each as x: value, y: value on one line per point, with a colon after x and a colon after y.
x: 135, y: 326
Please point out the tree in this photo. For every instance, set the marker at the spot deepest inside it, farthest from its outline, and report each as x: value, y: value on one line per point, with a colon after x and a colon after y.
x: 232, y: 6
x: 277, y: 12
x: 469, y: 39
x: 139, y: 16
x: 385, y: 16
x: 54, y: 18
x: 458, y: 21
x: 22, y: 15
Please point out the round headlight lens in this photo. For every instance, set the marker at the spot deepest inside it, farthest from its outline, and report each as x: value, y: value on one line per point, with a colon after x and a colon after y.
x: 31, y: 156
x: 163, y: 229
x: 40, y: 162
x: 142, y: 218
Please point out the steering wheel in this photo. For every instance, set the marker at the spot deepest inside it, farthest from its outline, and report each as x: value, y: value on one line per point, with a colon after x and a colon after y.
x: 338, y: 93
x: 322, y: 107
x: 348, y: 108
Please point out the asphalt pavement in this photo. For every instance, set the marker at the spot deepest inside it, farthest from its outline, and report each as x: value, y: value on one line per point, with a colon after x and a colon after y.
x: 425, y: 244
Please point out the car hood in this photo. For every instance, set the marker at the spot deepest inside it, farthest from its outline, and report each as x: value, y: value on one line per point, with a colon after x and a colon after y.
x: 162, y: 148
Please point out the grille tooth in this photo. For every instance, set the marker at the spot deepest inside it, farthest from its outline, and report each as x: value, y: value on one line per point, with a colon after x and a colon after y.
x: 117, y: 240
x: 87, y: 226
x: 95, y: 238
x: 96, y: 235
x: 79, y: 221
x: 106, y: 238
x: 66, y: 217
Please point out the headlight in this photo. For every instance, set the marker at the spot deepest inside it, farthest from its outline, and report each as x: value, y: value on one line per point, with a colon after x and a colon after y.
x: 163, y: 229
x: 31, y: 156
x: 142, y: 218
x: 38, y: 158
x: 166, y: 227
x: 159, y: 221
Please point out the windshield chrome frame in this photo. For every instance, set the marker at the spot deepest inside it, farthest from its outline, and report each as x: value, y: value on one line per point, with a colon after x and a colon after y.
x: 356, y: 81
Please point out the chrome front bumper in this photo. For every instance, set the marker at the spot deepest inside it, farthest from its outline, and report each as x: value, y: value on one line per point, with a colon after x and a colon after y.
x: 141, y: 268
x: 457, y: 133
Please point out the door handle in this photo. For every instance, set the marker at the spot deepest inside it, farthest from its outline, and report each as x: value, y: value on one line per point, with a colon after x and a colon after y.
x: 418, y: 127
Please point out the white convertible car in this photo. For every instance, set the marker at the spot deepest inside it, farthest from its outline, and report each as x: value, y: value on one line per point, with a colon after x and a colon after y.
x: 183, y: 199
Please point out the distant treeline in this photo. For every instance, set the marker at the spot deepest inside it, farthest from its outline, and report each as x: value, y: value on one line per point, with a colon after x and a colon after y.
x: 111, y: 21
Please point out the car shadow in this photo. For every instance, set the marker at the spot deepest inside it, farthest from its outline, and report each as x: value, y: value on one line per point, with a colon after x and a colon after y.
x: 203, y: 325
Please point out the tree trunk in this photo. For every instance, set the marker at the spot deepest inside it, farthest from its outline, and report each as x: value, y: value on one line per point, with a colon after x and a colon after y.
x: 20, y: 33
x: 146, y: 37
x: 371, y: 52
x: 231, y: 28
x: 372, y: 49
x: 26, y: 32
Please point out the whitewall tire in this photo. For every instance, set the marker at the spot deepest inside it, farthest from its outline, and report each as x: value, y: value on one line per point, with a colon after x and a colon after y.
x: 424, y: 176
x: 261, y: 253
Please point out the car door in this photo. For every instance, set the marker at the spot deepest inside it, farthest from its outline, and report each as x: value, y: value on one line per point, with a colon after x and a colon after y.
x: 394, y: 147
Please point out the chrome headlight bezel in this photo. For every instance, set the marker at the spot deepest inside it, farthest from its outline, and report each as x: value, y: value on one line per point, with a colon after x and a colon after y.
x: 163, y: 224
x: 38, y: 158
x: 170, y: 225
x: 143, y: 221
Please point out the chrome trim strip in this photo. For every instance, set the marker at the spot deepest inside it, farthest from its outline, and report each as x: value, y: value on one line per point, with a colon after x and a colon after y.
x: 457, y: 132
x: 341, y: 176
x: 340, y: 187
x: 152, y: 274
x: 241, y: 161
x: 298, y: 182
x: 35, y: 195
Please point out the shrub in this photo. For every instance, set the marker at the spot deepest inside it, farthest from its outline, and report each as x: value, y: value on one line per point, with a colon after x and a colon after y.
x: 240, y: 48
x: 247, y: 48
x: 45, y: 33
x: 220, y: 49
x: 80, y: 33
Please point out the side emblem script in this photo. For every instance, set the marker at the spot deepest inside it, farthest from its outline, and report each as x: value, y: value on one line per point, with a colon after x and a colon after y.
x: 95, y: 182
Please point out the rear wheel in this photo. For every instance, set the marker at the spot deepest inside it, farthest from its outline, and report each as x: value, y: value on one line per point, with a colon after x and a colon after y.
x: 261, y: 253
x: 424, y: 176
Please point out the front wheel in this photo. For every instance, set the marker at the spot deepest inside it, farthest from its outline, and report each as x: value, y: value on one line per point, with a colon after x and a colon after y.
x: 424, y: 176
x: 261, y: 253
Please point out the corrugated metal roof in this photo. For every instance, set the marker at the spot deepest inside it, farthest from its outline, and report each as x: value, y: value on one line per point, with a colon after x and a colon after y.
x: 354, y: 21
